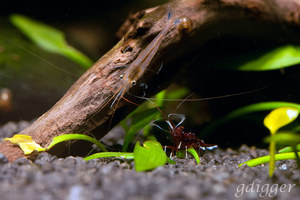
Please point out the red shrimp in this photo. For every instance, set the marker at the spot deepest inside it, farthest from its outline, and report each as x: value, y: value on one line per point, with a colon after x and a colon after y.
x: 183, y: 140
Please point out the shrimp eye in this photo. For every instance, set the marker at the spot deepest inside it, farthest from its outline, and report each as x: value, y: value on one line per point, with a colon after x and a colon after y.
x: 184, y: 25
x: 133, y: 82
x: 121, y: 76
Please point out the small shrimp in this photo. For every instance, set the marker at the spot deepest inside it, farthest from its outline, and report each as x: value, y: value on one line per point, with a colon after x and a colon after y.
x: 183, y: 140
x: 138, y: 67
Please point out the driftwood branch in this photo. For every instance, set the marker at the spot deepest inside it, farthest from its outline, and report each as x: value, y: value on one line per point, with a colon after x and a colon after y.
x: 86, y: 105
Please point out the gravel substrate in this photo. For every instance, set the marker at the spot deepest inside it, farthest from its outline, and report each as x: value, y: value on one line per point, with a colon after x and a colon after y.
x: 216, y: 177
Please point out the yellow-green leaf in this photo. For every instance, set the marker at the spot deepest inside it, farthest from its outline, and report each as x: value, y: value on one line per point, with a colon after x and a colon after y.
x: 280, y: 117
x: 192, y: 151
x: 148, y: 157
x: 26, y: 143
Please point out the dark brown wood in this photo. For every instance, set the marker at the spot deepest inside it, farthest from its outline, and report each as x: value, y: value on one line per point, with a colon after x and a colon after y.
x: 86, y: 105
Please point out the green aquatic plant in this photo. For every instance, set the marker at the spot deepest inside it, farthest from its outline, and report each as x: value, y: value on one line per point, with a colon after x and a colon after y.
x: 27, y: 144
x: 139, y: 119
x: 253, y: 108
x: 49, y: 39
x: 277, y: 58
x: 148, y: 157
x: 275, y: 120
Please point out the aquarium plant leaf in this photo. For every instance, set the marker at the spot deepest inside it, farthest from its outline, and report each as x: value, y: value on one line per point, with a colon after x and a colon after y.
x: 74, y: 136
x: 26, y: 143
x: 123, y: 155
x: 139, y: 121
x: 257, y: 107
x: 277, y: 58
x: 159, y: 98
x: 276, y: 119
x: 178, y: 93
x: 264, y: 159
x: 280, y: 117
x: 191, y: 150
x: 289, y: 149
x: 284, y: 138
x: 149, y: 156
x: 171, y: 161
x: 49, y: 39
x: 194, y: 153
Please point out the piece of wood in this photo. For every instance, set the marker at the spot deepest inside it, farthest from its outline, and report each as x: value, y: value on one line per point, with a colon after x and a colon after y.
x: 86, y: 105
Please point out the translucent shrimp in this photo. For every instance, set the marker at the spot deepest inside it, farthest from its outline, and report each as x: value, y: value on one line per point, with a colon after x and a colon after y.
x: 138, y: 67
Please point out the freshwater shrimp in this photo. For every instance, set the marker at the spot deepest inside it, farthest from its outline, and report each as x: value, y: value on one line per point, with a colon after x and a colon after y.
x: 184, y: 140
x: 181, y: 140
x: 138, y: 67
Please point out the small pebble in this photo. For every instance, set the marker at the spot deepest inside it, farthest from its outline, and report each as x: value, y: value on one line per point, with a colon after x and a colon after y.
x: 3, y: 159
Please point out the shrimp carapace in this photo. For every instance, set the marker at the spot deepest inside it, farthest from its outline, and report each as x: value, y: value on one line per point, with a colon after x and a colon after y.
x: 138, y: 67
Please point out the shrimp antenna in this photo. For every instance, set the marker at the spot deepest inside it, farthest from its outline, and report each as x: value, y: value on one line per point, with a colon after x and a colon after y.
x: 171, y: 127
x: 183, y: 101
x: 206, y: 98
x: 161, y: 112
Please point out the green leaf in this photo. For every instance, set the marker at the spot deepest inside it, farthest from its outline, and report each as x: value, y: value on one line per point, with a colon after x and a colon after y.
x: 139, y: 121
x: 49, y: 39
x: 284, y: 138
x: 191, y: 150
x: 124, y: 155
x: 194, y: 153
x: 160, y: 98
x: 265, y: 159
x: 277, y: 58
x: 177, y: 93
x: 150, y: 156
x: 280, y: 117
x: 258, y: 107
x: 171, y: 161
x: 289, y: 149
x: 180, y: 154
x: 273, y: 121
x: 68, y: 137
